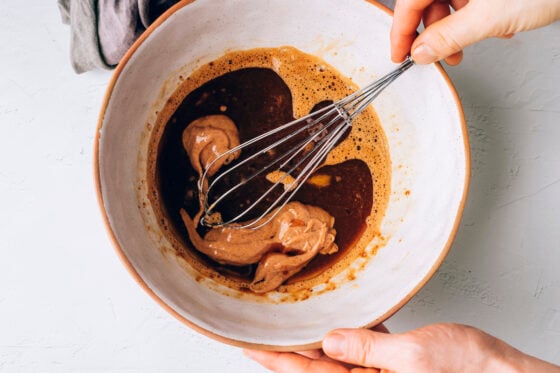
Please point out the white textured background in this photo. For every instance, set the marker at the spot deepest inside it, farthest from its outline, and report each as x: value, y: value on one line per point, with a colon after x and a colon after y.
x: 67, y: 303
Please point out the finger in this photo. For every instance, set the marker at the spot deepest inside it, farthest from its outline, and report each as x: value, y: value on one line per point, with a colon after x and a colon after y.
x: 458, y: 4
x: 432, y: 14
x: 436, y: 11
x: 320, y: 355
x: 364, y: 347
x: 449, y: 36
x: 407, y: 17
x: 381, y: 328
x: 454, y: 59
x: 287, y: 362
x: 364, y: 370
x: 312, y: 354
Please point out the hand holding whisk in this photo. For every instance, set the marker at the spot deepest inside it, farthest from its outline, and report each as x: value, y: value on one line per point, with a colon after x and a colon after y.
x: 284, y: 158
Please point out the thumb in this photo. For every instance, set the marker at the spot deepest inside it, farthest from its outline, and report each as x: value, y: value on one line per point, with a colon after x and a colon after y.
x: 450, y: 35
x: 364, y: 347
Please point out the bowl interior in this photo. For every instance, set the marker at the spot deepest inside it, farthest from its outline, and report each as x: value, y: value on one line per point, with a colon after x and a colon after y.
x: 420, y: 113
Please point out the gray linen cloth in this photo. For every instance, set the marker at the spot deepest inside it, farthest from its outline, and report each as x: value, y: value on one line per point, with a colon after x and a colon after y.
x: 103, y: 30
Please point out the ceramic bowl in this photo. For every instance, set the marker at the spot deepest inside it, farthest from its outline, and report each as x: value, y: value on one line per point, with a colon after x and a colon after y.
x: 422, y: 118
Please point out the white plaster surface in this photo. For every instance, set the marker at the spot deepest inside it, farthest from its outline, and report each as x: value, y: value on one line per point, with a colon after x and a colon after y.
x: 68, y: 304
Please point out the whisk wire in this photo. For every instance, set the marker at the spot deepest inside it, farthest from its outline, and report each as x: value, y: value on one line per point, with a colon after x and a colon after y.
x: 297, y: 183
x: 308, y: 169
x: 252, y: 141
x: 290, y: 154
x: 339, y: 114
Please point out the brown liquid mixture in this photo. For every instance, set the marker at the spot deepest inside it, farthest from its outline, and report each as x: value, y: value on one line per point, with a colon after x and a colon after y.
x: 260, y: 90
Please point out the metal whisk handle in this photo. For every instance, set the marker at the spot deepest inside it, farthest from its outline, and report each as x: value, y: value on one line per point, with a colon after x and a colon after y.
x: 354, y: 104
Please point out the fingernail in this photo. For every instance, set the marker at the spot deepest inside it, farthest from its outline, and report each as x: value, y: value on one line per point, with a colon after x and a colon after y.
x: 423, y: 54
x: 335, y: 345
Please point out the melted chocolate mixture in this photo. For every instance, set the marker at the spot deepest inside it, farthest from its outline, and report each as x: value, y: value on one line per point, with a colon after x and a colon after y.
x: 257, y: 100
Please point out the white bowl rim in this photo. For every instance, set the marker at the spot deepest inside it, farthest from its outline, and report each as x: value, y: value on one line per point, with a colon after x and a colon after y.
x: 125, y: 260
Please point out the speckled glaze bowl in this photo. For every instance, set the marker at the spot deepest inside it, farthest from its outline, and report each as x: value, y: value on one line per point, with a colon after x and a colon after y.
x: 422, y: 118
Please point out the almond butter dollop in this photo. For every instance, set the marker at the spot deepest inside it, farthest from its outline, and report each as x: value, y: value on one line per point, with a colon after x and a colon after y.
x: 206, y: 138
x: 282, y: 247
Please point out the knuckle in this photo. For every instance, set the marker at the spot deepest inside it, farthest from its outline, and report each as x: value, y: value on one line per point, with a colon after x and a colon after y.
x: 369, y: 350
x: 417, y: 353
x: 361, y: 348
x: 445, y: 41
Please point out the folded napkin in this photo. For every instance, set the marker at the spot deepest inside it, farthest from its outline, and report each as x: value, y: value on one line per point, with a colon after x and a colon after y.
x: 103, y: 30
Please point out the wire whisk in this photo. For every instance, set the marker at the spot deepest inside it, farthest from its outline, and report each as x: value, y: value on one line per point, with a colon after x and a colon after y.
x: 291, y: 153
